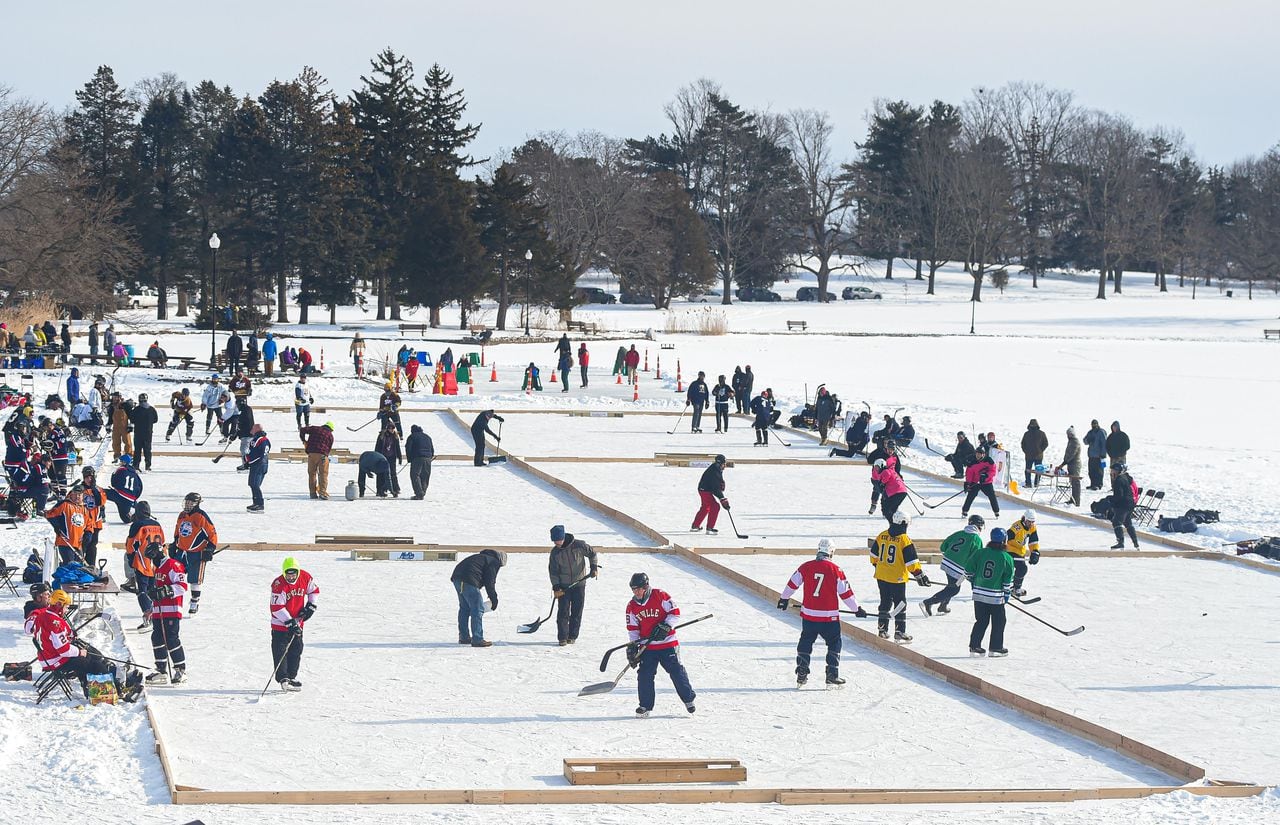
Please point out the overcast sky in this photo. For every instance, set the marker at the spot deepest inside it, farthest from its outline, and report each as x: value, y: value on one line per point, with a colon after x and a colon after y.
x: 1206, y: 68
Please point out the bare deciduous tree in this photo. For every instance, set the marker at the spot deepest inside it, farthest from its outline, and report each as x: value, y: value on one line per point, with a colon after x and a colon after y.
x: 824, y: 200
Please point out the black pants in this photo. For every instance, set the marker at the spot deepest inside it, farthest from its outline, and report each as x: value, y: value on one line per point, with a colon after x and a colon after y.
x: 569, y: 613
x: 738, y: 402
x: 957, y: 465
x: 90, y: 663
x: 987, y: 490
x: 210, y: 416
x: 892, y: 593
x: 166, y: 644
x: 285, y: 654
x: 382, y: 485
x: 696, y: 423
x: 420, y: 475
x: 1122, y: 520
x: 946, y: 594
x: 564, y: 379
x: 1019, y: 572
x: 876, y: 489
x: 1031, y: 462
x: 233, y: 363
x: 141, y: 448
x: 762, y: 435
x: 891, y: 505
x: 479, y: 460
x: 302, y: 416
x: 1095, y: 473
x: 809, y: 632
x: 982, y: 615
x: 584, y: 375
x: 177, y: 420
x: 823, y: 426
x: 722, y: 417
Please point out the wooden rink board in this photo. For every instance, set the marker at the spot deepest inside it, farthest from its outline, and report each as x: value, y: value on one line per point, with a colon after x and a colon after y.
x: 652, y: 771
x: 1133, y: 749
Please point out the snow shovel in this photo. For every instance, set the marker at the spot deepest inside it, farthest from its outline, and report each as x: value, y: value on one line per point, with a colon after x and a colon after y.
x: 533, y: 626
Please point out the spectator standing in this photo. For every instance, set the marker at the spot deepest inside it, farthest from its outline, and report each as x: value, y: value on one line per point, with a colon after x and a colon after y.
x: 109, y: 339
x: 357, y: 354
x: 632, y: 361
x: 1096, y: 442
x: 73, y: 387
x: 93, y: 338
x: 824, y: 410
x: 1071, y: 462
x: 1117, y: 445
x: 235, y: 348
x: 319, y: 443
x: 269, y: 351
x: 419, y: 451
x: 1034, y: 443
x: 251, y: 353
x: 583, y: 357
x: 144, y: 418
x: 66, y: 337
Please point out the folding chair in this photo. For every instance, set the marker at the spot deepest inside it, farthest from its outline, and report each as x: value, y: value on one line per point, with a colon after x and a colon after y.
x: 6, y: 577
x: 51, y: 680
x: 1143, y: 515
x: 27, y: 383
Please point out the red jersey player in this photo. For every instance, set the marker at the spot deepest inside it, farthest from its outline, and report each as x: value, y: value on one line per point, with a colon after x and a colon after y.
x: 653, y: 643
x: 168, y: 591
x: 293, y: 601
x: 822, y: 586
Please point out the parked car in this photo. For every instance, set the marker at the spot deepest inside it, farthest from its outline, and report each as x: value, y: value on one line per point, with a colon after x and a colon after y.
x: 593, y: 295
x: 711, y: 296
x: 637, y: 298
x: 756, y: 293
x: 810, y: 293
x: 859, y: 293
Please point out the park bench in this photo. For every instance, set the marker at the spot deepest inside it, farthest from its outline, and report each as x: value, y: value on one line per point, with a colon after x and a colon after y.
x: 585, y: 327
x: 420, y: 328
x: 800, y: 325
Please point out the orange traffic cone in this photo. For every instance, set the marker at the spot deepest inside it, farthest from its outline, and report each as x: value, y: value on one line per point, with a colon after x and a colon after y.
x: 619, y: 378
x: 553, y: 375
x: 646, y: 359
x: 635, y: 391
x: 679, y: 386
x: 471, y: 383
x: 657, y: 370
x: 482, y: 355
x: 493, y: 376
x: 322, y: 359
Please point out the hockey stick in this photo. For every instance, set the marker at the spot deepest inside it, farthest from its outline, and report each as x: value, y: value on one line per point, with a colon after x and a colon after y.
x: 604, y: 662
x: 1079, y: 629
x: 361, y: 427
x: 276, y: 668
x: 897, y: 608
x: 219, y: 456
x: 735, y: 526
x: 868, y: 406
x: 930, y: 449
x: 781, y: 441
x: 672, y: 431
x: 1031, y: 600
x: 533, y: 626
x: 929, y: 506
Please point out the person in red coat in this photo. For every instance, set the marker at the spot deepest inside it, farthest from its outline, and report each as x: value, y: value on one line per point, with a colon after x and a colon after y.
x: 632, y: 361
x: 822, y: 586
x: 293, y: 601
x: 583, y: 357
x: 653, y: 642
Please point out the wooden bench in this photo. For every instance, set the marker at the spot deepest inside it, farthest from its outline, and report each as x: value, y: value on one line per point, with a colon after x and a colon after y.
x: 585, y: 327
x: 421, y: 329
x: 800, y: 325
x: 1271, y: 333
x: 476, y: 329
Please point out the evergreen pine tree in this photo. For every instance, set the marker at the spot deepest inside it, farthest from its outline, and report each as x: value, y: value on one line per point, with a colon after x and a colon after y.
x: 101, y: 130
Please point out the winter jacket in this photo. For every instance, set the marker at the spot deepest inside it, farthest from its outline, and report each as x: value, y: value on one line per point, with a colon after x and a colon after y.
x: 905, y: 435
x: 1117, y: 442
x: 697, y: 395
x: 319, y: 440
x: 893, y: 483
x: 143, y: 418
x: 73, y: 386
x: 569, y: 562
x: 824, y: 409
x: 269, y: 349
x: 964, y: 453
x: 761, y: 407
x: 481, y: 571
x: 245, y: 421
x: 1034, y: 442
x: 259, y: 449
x: 419, y: 445
x: 632, y: 358
x: 563, y: 346
x: 389, y: 446
x: 721, y: 393
x: 373, y: 462
x: 1071, y: 455
x: 235, y: 346
x: 712, y: 481
x: 1123, y: 496
x: 481, y: 426
x: 1096, y: 441
x: 981, y: 472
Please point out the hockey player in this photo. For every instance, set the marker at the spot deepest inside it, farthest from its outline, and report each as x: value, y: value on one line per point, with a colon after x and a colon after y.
x: 144, y: 531
x: 68, y: 519
x: 194, y: 541
x: 126, y: 487
x: 991, y: 570
x: 61, y: 452
x: 389, y: 408
x: 762, y: 408
x: 1024, y: 546
x: 94, y: 499
x: 720, y: 394
x: 956, y: 550
x: 1124, y: 499
x: 711, y: 491
x: 980, y: 477
x: 880, y: 458
x: 302, y: 401
x: 58, y: 647
x: 293, y: 602
x: 822, y: 587
x: 258, y: 462
x: 699, y: 397
x: 894, y: 557
x: 210, y: 402
x: 654, y: 643
x: 894, y: 488
x: 181, y: 404
x: 572, y: 560
x: 168, y: 590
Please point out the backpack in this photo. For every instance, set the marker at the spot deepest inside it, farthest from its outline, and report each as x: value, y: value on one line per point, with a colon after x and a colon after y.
x: 1203, y: 516
x: 1176, y: 524
x: 1102, y: 508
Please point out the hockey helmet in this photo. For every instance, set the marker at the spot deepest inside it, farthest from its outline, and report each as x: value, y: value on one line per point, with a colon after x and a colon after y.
x: 999, y: 537
x: 977, y: 521
x: 126, y: 460
x: 1029, y: 516
x: 880, y: 464
x: 141, y: 510
x: 155, y: 553
x: 825, y: 550
x: 60, y: 599
x: 639, y: 580
x: 900, y: 517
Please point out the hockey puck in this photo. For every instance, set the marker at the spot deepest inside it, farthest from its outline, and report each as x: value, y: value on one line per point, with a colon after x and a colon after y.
x: 1204, y: 614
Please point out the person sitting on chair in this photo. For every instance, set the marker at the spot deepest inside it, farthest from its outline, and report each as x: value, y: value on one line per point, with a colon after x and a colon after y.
x: 62, y: 652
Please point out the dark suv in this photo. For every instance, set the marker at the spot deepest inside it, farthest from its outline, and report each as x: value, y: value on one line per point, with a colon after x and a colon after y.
x: 593, y: 295
x: 810, y: 293
x: 756, y: 293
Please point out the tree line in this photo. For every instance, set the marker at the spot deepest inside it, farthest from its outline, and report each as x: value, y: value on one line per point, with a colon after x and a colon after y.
x: 318, y: 197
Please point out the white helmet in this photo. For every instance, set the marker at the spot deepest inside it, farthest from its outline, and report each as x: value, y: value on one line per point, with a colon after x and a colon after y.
x: 900, y: 517
x: 1029, y: 516
x: 825, y: 551
x: 879, y: 464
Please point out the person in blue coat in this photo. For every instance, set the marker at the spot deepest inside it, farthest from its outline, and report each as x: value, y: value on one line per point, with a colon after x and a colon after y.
x: 126, y: 487
x: 73, y: 387
x: 269, y: 351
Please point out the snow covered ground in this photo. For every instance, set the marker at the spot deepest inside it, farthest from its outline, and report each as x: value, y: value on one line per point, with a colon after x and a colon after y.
x: 391, y: 702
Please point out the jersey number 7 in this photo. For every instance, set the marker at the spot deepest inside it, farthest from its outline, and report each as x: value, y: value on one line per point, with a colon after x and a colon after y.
x: 817, y: 587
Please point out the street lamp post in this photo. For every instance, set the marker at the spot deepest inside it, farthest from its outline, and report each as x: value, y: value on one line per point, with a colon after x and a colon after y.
x: 973, y: 308
x: 214, y: 243
x: 528, y: 287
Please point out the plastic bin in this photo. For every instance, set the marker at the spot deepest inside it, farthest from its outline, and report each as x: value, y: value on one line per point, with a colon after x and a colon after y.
x: 473, y: 358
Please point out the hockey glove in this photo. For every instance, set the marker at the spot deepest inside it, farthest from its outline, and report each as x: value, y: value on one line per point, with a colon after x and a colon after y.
x: 633, y: 652
x: 724, y: 502
x: 968, y: 486
x: 307, y: 611
x: 1035, y: 557
x: 164, y: 591
x: 861, y: 612
x: 493, y: 604
x: 660, y: 631
x: 1007, y: 594
x: 784, y: 604
x: 207, y: 553
x: 173, y: 548
x: 922, y: 579
x: 293, y: 627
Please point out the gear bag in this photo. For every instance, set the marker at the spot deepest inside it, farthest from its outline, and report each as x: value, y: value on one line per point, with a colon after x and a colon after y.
x: 1176, y: 524
x: 1203, y: 516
